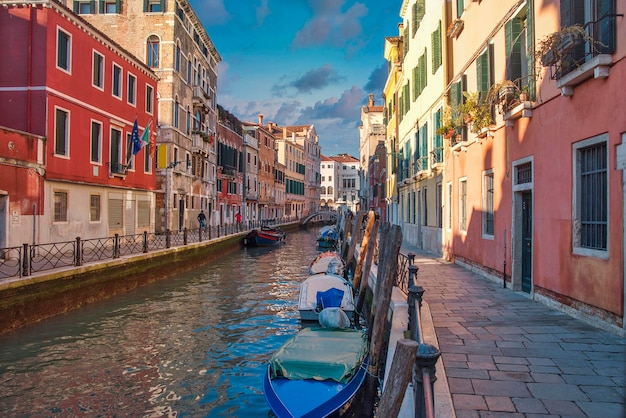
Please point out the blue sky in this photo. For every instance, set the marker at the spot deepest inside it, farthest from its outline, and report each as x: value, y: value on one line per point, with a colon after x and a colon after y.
x: 301, y: 62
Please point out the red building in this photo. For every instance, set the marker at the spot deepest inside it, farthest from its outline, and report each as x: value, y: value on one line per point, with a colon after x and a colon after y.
x: 72, y: 85
x: 229, y: 167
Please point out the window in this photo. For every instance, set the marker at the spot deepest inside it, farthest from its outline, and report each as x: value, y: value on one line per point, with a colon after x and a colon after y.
x: 143, y: 213
x: 419, y: 9
x: 591, y: 200
x: 84, y: 7
x: 97, y: 79
x: 488, y: 204
x: 154, y: 6
x: 96, y: 142
x: 515, y: 47
x: 60, y: 206
x: 115, y: 154
x: 177, y: 59
x: 176, y: 110
x: 94, y: 208
x: 449, y: 206
x: 463, y: 205
x: 147, y: 159
x: 149, y: 99
x: 61, y: 132
x: 111, y: 7
x: 438, y: 205
x: 64, y: 50
x: 460, y: 7
x: 152, y: 50
x: 117, y: 81
x: 132, y: 89
x: 189, y: 68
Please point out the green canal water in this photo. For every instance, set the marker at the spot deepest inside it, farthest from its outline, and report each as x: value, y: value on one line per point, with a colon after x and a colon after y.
x: 193, y: 345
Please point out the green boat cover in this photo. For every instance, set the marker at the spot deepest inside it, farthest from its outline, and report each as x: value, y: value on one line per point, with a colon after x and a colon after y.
x: 320, y: 354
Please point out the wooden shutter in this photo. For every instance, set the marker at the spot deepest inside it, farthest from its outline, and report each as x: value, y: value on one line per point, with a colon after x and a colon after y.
x: 512, y: 30
x: 436, y: 48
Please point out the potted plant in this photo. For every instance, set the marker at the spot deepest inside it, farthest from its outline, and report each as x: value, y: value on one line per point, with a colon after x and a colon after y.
x: 476, y: 111
x: 553, y: 47
x: 448, y: 123
x: 504, y: 94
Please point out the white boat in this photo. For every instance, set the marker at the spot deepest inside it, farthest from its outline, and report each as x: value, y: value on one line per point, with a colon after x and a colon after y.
x: 321, y: 291
x: 327, y: 262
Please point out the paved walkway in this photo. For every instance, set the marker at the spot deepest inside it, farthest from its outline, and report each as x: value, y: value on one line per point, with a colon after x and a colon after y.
x: 505, y: 355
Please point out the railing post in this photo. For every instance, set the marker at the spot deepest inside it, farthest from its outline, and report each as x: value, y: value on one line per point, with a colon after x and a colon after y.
x: 185, y: 235
x: 116, y: 246
x: 25, y: 261
x: 423, y: 392
x: 78, y: 260
x: 412, y: 275
x: 145, y: 241
x: 415, y: 303
x: 168, y: 239
x: 411, y: 257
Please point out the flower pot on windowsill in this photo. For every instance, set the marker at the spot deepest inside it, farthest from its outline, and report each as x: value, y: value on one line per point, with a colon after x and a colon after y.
x: 448, y: 134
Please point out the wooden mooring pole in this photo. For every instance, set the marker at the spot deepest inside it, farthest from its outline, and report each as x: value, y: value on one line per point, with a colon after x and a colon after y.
x: 371, y: 218
x: 398, y: 379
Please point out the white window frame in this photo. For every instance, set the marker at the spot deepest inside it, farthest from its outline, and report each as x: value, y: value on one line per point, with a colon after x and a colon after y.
x: 487, y: 206
x: 68, y: 60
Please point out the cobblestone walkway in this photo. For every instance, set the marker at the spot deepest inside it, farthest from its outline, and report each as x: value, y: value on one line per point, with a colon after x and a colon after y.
x: 505, y: 355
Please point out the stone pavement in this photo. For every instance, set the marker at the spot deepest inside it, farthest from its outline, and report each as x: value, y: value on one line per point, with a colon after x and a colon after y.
x: 505, y: 355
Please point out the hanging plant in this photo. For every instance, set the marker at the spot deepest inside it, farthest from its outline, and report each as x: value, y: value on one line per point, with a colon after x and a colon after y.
x: 553, y: 47
x: 476, y: 111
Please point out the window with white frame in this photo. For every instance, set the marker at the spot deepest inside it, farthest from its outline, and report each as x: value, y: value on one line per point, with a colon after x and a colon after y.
x: 132, y: 89
x: 97, y: 79
x: 488, y: 203
x: 60, y: 206
x: 591, y: 197
x: 94, y: 208
x: 96, y: 142
x: 117, y: 81
x: 64, y: 50
x: 463, y: 205
x: 61, y: 132
x: 149, y: 99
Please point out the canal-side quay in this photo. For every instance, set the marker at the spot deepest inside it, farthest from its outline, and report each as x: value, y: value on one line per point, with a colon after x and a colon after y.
x: 29, y: 299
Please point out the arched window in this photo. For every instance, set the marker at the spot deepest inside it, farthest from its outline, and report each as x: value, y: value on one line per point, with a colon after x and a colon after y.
x: 152, y: 49
x: 177, y: 59
x: 188, y: 121
x: 323, y: 190
x: 176, y: 110
x: 330, y: 189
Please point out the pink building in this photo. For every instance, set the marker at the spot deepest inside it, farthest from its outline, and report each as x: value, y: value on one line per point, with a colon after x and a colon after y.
x: 537, y: 199
x: 72, y: 85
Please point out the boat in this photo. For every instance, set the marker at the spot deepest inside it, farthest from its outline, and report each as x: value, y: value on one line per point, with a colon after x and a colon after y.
x: 328, y: 237
x: 324, y: 290
x: 264, y: 236
x: 316, y: 372
x: 327, y: 262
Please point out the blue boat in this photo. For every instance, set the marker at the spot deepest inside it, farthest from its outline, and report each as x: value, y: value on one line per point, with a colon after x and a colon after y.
x: 328, y: 237
x: 316, y: 372
x: 263, y: 237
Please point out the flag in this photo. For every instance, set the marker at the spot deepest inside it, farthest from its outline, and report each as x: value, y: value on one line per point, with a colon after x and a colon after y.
x: 134, y: 139
x: 145, y: 136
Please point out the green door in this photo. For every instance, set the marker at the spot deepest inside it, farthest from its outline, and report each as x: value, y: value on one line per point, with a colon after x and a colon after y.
x: 527, y: 241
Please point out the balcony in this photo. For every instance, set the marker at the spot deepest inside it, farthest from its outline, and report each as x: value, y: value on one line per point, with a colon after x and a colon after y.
x: 200, y: 143
x: 200, y: 97
x: 229, y: 172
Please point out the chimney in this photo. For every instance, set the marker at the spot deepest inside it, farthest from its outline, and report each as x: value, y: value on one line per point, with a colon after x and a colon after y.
x: 260, y: 119
x: 270, y: 125
x: 371, y: 102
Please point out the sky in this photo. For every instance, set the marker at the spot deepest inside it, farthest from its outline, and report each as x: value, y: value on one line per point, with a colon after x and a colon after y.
x: 302, y: 62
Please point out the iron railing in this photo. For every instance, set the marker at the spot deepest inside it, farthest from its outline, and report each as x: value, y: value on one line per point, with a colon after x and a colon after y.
x: 34, y: 258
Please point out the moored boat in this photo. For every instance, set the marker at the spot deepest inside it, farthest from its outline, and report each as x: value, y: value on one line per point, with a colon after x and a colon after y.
x: 328, y: 237
x: 321, y: 291
x: 316, y: 372
x: 264, y: 236
x: 327, y: 262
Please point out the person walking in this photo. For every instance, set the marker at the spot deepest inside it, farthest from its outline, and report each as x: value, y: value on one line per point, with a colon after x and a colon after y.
x: 202, y: 219
x: 238, y: 220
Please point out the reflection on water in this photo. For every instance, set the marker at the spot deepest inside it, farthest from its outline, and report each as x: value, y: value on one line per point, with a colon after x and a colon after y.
x: 192, y: 345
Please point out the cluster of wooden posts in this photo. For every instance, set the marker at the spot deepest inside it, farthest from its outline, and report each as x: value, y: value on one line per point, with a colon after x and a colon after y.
x: 385, y: 240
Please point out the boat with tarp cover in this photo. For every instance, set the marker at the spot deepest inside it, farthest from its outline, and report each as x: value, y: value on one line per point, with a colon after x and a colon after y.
x: 321, y: 291
x: 316, y: 372
x: 328, y: 237
x: 327, y: 262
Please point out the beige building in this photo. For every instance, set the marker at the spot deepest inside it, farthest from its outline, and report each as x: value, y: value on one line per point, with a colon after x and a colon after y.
x: 371, y: 132
x: 170, y: 39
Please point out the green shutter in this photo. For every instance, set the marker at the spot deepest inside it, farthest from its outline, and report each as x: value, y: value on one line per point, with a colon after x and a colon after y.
x: 92, y: 7
x: 436, y: 48
x: 145, y: 6
x: 482, y: 74
x: 513, y: 49
x: 101, y: 6
x: 460, y: 7
x: 606, y: 27
x: 75, y: 6
x: 414, y: 20
x: 118, y: 6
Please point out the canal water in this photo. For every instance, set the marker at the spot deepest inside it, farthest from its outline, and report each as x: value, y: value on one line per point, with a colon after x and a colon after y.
x: 192, y: 345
